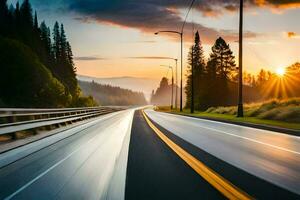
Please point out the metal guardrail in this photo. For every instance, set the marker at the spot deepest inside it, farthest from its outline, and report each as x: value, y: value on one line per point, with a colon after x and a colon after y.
x: 17, y: 120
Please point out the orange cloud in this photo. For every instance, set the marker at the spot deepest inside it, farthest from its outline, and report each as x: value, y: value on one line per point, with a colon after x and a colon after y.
x: 283, y: 4
x: 292, y: 35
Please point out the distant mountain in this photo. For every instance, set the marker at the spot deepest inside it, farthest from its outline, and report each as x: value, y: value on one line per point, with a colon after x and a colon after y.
x: 107, y: 95
x: 145, y: 85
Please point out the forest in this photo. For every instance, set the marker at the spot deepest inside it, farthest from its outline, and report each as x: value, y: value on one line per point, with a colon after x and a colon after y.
x: 215, y: 80
x: 110, y: 96
x: 36, y: 63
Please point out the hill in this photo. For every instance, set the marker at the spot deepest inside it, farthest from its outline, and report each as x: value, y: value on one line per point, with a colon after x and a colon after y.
x: 145, y: 85
x: 110, y: 95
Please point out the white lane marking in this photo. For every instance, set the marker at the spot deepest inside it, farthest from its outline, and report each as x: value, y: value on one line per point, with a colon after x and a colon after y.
x: 45, y: 172
x: 252, y: 140
x: 227, y: 124
x: 42, y: 174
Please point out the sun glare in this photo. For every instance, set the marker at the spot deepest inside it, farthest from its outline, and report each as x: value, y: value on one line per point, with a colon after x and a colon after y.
x: 280, y: 71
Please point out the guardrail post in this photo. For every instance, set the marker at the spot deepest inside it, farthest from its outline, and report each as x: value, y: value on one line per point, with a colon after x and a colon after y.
x: 12, y: 119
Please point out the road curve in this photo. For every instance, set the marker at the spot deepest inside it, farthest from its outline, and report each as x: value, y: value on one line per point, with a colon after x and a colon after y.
x: 271, y: 156
x: 89, y: 162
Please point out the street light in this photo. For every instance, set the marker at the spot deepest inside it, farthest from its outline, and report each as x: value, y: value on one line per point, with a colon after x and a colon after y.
x: 181, y: 42
x: 170, y: 67
x: 240, y: 112
x: 176, y: 81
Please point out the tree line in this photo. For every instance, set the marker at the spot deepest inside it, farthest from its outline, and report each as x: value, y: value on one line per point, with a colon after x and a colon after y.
x: 215, y: 82
x: 109, y: 95
x: 49, y: 50
x: 268, y: 85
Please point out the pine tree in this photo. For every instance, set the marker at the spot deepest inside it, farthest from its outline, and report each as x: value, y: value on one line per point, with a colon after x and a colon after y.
x: 26, y: 14
x: 63, y: 45
x: 196, y: 59
x: 163, y: 93
x: 220, y: 69
x: 56, y: 43
x: 3, y: 17
x: 36, y: 23
x: 211, y: 69
x: 3, y: 10
x: 17, y: 17
x: 44, y: 36
x: 70, y: 57
x: 223, y: 58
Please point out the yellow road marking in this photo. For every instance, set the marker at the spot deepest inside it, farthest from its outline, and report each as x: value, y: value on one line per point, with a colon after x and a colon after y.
x: 221, y: 184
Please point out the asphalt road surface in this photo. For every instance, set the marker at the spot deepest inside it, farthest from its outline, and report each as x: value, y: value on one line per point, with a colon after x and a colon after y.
x: 271, y: 156
x: 88, y: 163
x: 118, y: 156
x: 156, y: 172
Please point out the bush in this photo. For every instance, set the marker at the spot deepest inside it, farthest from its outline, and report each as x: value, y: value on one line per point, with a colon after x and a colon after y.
x: 84, y: 102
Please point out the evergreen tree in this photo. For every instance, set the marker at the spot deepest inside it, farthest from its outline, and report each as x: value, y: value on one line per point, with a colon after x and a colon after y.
x: 220, y: 70
x: 17, y: 19
x: 45, y: 36
x: 26, y: 13
x: 36, y: 23
x: 56, y: 42
x: 162, y: 96
x: 211, y: 69
x: 70, y: 57
x: 11, y: 9
x: 63, y: 45
x: 223, y: 58
x: 196, y: 59
x: 3, y: 17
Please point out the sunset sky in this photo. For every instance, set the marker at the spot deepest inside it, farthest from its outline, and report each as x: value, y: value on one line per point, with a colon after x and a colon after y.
x: 112, y: 38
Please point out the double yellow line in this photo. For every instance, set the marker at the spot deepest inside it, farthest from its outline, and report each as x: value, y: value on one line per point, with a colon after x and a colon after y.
x: 222, y: 185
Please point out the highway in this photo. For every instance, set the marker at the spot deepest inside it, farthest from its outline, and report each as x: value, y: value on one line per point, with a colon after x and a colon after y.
x: 271, y: 156
x: 121, y: 156
x: 86, y: 162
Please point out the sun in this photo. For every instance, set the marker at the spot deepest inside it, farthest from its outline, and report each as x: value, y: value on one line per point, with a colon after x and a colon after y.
x: 280, y: 71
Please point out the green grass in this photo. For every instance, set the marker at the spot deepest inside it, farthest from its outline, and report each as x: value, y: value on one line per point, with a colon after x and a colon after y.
x: 232, y: 118
x: 287, y: 110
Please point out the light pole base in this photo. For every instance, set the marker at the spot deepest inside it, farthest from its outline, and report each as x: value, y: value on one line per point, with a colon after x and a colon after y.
x: 240, y: 112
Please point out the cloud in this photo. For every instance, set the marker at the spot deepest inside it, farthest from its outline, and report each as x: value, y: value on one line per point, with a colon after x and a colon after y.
x: 88, y: 58
x: 292, y: 35
x: 150, y: 16
x: 283, y: 4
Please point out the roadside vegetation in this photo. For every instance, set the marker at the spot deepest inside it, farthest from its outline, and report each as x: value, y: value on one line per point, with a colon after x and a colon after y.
x: 281, y: 110
x: 278, y: 113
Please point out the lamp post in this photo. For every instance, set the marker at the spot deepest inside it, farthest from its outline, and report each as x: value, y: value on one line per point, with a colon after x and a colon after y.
x: 170, y: 67
x: 176, y: 81
x: 181, y: 54
x: 192, y: 83
x: 240, y: 112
